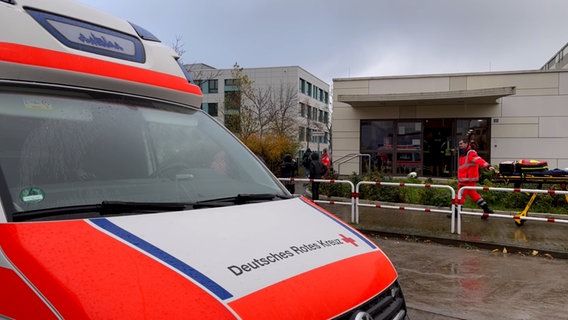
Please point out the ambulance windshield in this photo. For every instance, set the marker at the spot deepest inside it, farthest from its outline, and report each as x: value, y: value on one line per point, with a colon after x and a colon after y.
x: 60, y: 150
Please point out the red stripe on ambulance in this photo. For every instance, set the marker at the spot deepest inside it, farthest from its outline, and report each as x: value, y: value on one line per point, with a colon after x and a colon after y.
x: 95, y: 282
x: 28, y: 55
x: 20, y: 301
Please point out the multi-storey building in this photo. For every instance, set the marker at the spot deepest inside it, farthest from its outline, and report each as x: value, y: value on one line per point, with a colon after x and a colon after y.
x: 307, y: 95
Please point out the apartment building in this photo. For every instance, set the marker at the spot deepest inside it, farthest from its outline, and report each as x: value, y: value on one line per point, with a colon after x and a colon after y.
x: 292, y: 86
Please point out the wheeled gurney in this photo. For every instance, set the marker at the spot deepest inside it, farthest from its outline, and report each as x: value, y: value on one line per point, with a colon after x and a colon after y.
x: 540, y: 177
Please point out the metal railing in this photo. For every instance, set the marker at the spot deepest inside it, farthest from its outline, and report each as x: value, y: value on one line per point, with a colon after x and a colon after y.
x: 455, y: 206
x: 331, y: 181
x: 517, y: 217
x: 349, y: 157
x: 412, y: 185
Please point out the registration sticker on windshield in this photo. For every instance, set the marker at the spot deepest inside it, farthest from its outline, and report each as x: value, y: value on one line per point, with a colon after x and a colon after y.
x: 32, y: 195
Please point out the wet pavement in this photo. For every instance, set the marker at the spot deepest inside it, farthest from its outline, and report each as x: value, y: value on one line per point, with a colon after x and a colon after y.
x: 494, y: 269
x: 445, y: 282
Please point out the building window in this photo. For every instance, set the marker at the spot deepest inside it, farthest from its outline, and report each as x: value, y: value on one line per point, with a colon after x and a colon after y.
x: 302, y: 110
x: 425, y: 146
x: 377, y: 138
x: 213, y: 109
x: 409, y: 147
x: 231, y: 82
x: 208, y: 86
x: 302, y: 134
x: 213, y: 86
x: 302, y: 86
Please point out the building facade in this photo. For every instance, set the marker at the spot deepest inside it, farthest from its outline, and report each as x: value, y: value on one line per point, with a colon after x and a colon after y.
x: 558, y: 61
x: 293, y: 86
x: 413, y: 123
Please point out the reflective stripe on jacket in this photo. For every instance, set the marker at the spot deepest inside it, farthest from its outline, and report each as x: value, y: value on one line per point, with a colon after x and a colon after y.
x: 468, y: 166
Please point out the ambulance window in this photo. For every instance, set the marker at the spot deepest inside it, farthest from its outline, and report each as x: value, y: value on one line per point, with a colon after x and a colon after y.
x: 58, y: 150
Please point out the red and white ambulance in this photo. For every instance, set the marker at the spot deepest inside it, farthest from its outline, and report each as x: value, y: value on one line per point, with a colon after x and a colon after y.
x: 121, y: 199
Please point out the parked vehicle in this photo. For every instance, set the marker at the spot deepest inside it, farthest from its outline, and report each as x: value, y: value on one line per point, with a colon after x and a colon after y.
x: 121, y: 199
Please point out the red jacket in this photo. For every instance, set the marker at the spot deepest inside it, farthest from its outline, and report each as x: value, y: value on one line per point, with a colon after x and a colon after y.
x: 325, y: 160
x: 469, y: 162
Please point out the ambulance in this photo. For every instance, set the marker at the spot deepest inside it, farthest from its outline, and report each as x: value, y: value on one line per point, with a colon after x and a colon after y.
x: 121, y: 199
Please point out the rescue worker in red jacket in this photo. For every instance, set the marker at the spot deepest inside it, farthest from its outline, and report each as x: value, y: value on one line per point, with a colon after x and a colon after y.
x: 325, y: 158
x: 468, y: 174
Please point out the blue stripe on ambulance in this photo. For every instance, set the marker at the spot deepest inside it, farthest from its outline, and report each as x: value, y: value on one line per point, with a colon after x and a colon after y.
x: 163, y: 256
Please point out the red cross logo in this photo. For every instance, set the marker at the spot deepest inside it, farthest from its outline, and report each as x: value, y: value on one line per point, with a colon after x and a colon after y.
x: 348, y: 240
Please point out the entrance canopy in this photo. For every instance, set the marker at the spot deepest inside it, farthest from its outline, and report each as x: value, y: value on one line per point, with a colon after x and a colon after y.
x: 477, y: 96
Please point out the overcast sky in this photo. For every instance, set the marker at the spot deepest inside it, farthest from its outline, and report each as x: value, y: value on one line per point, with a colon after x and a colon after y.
x: 352, y: 38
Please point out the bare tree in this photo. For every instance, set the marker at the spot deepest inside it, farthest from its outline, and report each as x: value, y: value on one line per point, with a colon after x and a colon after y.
x: 259, y: 107
x: 267, y: 118
x: 178, y: 48
x: 285, y: 111
x: 201, y: 73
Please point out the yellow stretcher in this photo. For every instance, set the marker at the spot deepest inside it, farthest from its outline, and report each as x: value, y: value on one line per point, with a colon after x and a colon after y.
x: 537, y: 178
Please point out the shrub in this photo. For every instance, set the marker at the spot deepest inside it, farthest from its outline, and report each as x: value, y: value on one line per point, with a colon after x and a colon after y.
x: 500, y: 200
x: 335, y: 189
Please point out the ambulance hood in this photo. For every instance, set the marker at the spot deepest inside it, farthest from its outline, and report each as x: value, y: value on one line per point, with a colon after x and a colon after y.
x: 286, y: 259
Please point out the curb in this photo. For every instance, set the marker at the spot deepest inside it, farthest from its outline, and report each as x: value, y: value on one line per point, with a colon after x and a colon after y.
x: 526, y: 251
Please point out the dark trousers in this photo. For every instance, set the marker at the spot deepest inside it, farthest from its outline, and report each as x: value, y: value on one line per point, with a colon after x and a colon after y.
x: 291, y: 187
x: 315, y: 190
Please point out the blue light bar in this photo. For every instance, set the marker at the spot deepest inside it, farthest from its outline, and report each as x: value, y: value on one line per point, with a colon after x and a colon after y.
x: 91, y: 38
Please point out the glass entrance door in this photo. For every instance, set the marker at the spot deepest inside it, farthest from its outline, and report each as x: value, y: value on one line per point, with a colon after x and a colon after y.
x: 409, y: 147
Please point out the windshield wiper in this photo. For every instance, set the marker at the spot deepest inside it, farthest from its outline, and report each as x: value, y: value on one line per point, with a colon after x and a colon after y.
x: 118, y: 207
x: 242, y: 198
x: 110, y: 208
x: 104, y: 208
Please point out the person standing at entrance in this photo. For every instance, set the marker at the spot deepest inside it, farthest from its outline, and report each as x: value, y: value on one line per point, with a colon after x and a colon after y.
x: 306, y: 159
x: 437, y: 154
x: 468, y: 174
x: 317, y: 171
x: 288, y: 170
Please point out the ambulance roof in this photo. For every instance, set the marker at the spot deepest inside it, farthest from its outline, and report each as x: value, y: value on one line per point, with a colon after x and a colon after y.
x: 67, y: 43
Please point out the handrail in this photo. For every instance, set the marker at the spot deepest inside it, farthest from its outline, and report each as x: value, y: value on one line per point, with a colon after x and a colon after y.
x: 349, y: 157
